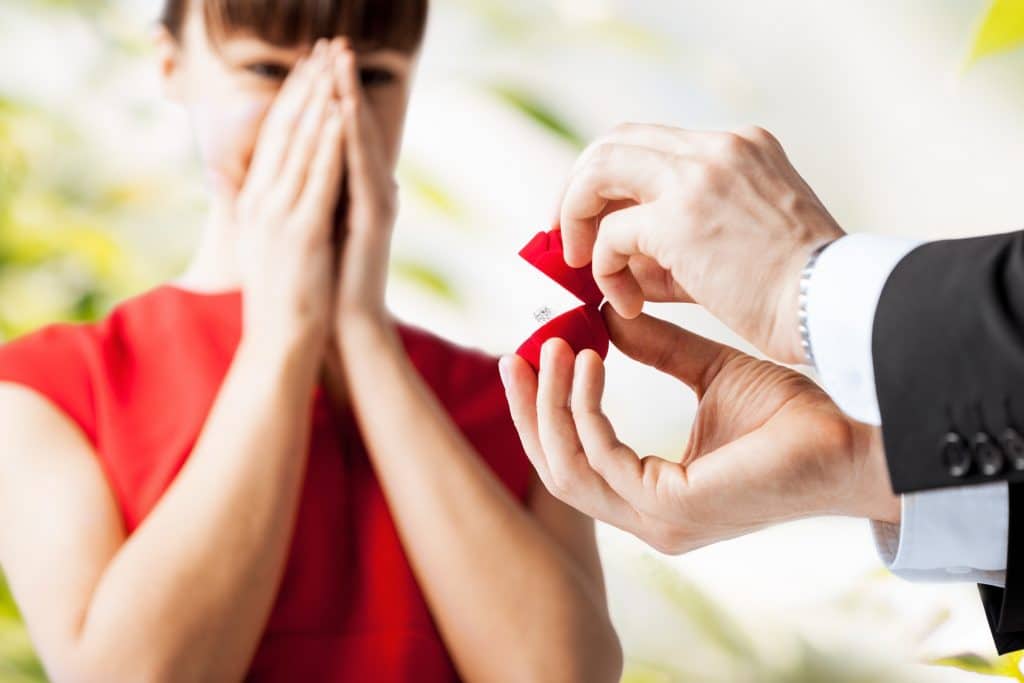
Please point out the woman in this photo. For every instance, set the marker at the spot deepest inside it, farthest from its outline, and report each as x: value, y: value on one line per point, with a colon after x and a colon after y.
x: 255, y: 471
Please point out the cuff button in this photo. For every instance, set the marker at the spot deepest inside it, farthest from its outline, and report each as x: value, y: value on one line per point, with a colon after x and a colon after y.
x: 955, y: 455
x: 1013, y: 446
x: 987, y: 454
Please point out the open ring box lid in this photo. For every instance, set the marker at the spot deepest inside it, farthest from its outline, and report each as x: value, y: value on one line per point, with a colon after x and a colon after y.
x: 582, y: 327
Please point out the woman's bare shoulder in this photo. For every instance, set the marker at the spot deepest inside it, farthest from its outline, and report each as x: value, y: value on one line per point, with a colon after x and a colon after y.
x: 34, y: 424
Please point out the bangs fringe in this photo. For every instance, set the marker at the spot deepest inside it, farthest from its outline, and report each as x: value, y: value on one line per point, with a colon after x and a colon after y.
x: 368, y: 24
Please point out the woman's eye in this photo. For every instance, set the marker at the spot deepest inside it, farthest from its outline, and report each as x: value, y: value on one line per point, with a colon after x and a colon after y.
x: 371, y: 77
x: 267, y: 70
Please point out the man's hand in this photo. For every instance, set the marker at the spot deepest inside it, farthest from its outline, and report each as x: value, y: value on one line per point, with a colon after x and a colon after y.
x: 767, y: 444
x: 720, y: 219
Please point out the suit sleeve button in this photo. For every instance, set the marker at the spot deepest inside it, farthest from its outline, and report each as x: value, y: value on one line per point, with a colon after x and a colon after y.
x: 955, y: 455
x: 987, y: 454
x: 1013, y: 447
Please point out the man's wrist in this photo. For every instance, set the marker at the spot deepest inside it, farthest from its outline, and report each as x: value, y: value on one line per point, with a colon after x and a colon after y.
x: 874, y: 496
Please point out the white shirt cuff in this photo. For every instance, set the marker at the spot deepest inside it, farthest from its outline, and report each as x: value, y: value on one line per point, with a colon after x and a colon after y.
x: 956, y: 534
x: 842, y: 296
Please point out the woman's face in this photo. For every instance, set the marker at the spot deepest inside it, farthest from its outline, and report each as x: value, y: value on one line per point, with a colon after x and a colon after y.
x: 229, y: 88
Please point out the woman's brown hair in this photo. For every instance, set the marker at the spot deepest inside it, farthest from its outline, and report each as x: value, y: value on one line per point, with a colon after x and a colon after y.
x: 369, y: 24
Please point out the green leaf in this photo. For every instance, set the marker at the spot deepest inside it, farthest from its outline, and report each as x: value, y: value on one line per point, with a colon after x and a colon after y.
x: 427, y: 189
x: 1008, y: 665
x: 1002, y: 29
x: 18, y: 660
x: 427, y: 278
x: 539, y: 112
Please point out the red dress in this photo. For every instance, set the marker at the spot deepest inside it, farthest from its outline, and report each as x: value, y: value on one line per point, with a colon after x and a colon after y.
x: 140, y: 384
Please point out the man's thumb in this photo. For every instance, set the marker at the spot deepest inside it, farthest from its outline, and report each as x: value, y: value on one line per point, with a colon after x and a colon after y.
x: 666, y: 347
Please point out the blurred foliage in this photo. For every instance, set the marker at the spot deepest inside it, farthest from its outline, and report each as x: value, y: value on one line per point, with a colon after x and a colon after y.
x: 427, y: 277
x: 1007, y: 666
x: 539, y: 113
x: 18, y: 661
x: 57, y: 259
x: 426, y: 188
x: 1001, y: 29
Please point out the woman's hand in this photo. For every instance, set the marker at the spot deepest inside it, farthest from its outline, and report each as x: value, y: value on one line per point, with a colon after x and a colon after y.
x: 284, y: 211
x: 372, y: 205
x: 767, y: 444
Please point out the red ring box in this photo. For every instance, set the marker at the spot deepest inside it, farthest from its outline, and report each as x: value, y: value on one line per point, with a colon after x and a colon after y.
x: 582, y: 327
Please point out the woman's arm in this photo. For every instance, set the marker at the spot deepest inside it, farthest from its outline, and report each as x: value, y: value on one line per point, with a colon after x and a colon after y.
x: 187, y: 595
x: 515, y: 598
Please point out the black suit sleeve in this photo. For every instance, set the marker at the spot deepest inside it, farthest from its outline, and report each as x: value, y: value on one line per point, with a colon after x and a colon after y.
x: 948, y: 350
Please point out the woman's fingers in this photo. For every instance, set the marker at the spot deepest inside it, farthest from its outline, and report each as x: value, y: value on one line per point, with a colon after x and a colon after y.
x: 372, y: 196
x: 323, y: 185
x: 306, y: 143
x: 277, y: 129
x: 368, y: 180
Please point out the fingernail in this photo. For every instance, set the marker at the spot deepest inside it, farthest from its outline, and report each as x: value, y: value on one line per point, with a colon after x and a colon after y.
x: 503, y: 364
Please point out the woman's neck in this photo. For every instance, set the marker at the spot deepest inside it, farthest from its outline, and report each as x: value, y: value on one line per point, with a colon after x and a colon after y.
x: 213, y: 266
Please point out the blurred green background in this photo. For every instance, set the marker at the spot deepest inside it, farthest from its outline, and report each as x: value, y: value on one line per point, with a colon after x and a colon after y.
x: 905, y: 116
